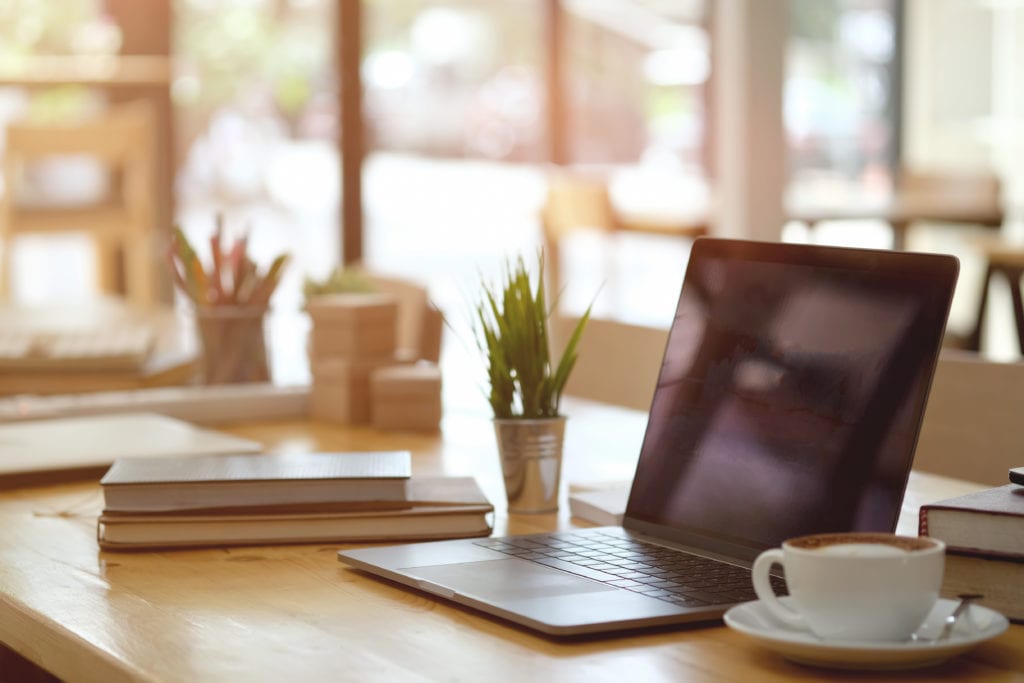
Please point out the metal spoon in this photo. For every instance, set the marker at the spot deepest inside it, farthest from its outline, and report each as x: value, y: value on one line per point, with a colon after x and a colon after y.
x: 947, y: 629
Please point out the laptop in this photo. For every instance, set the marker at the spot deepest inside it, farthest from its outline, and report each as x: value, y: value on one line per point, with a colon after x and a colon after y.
x: 789, y: 402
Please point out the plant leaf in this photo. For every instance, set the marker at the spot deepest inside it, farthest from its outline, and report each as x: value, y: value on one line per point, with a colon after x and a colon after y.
x: 512, y: 330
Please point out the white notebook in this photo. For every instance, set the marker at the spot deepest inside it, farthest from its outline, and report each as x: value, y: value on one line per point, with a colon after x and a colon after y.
x: 604, y: 506
x: 63, y: 449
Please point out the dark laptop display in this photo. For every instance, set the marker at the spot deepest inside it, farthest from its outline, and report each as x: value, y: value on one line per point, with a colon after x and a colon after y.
x: 789, y: 402
x: 790, y: 394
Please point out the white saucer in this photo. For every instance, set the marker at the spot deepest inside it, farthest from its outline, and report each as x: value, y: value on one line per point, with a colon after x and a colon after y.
x: 977, y: 625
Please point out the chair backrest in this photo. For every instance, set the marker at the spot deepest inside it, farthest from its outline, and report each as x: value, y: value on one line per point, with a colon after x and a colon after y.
x: 973, y: 427
x: 576, y: 201
x: 122, y: 139
x: 111, y: 137
x: 618, y: 362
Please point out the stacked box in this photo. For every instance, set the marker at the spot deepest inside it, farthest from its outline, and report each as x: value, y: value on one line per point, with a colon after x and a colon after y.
x: 353, y: 326
x: 341, y: 388
x: 352, y: 336
x: 359, y: 374
x: 406, y: 398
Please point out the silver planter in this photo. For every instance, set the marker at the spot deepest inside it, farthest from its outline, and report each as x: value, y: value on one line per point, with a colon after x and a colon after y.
x: 531, y: 461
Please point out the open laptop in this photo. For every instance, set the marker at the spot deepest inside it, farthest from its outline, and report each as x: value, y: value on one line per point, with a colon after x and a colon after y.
x: 789, y: 402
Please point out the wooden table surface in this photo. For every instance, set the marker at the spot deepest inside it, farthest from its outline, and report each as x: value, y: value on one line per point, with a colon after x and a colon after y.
x: 901, y: 212
x: 294, y: 613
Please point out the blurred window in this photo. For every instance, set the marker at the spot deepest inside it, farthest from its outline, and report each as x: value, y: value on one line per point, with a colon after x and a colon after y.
x: 455, y: 79
x: 636, y: 72
x: 840, y: 98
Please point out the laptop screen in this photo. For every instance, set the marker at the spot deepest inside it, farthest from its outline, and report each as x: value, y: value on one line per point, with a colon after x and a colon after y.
x: 791, y: 393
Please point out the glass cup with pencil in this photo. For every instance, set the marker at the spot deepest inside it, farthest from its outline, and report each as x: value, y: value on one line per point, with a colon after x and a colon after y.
x: 230, y: 300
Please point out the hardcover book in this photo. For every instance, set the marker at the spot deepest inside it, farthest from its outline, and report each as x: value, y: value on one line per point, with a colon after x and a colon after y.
x: 989, y: 522
x: 1000, y: 582
x: 438, y: 508
x: 241, y: 481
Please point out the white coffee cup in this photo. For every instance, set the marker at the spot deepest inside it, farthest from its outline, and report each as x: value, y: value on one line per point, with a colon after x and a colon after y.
x: 854, y: 586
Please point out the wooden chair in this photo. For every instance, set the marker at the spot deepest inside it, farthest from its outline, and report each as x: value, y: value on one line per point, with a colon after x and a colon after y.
x: 572, y: 203
x: 972, y: 428
x: 934, y: 196
x: 618, y: 362
x: 965, y: 198
x: 578, y: 201
x: 1003, y: 261
x: 122, y: 224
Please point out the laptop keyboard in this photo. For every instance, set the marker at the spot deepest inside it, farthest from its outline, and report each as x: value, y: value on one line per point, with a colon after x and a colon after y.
x: 614, y: 558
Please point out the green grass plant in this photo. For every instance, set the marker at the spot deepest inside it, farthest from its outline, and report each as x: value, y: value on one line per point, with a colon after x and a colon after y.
x: 513, y: 334
x: 340, y: 281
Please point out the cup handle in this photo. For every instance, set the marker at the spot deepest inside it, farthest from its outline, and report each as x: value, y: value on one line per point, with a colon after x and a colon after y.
x: 763, y: 588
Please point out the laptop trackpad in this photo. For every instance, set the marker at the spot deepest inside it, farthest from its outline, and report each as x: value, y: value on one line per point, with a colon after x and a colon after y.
x: 508, y: 579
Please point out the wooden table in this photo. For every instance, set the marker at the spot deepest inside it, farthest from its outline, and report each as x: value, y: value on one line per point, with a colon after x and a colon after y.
x: 296, y: 614
x: 903, y: 211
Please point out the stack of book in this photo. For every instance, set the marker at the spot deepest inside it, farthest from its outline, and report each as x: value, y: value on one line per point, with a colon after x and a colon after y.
x: 984, y: 536
x: 270, y: 499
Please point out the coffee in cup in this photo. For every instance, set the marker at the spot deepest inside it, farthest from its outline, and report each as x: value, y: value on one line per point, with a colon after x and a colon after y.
x: 854, y: 586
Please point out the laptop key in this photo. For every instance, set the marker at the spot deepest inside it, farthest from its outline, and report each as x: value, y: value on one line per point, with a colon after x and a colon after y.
x: 685, y: 601
x: 585, y: 572
x: 709, y: 598
x: 527, y: 555
x: 648, y: 580
x: 628, y: 574
x: 662, y: 573
x: 587, y: 562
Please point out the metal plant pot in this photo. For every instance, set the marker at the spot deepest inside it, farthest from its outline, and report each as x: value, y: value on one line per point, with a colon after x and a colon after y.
x: 531, y: 461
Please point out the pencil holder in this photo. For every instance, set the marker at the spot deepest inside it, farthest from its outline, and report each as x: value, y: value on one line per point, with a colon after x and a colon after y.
x: 233, y: 344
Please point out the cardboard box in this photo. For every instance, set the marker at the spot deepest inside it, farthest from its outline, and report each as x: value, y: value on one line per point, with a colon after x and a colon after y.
x: 340, y: 391
x: 406, y: 398
x: 353, y: 326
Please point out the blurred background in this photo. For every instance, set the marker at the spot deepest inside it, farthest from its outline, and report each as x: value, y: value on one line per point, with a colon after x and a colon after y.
x: 422, y: 138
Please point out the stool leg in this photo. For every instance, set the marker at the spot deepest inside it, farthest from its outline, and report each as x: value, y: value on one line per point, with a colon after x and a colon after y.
x: 1014, y: 276
x: 973, y: 340
x: 899, y: 235
x: 109, y: 274
x: 139, y: 272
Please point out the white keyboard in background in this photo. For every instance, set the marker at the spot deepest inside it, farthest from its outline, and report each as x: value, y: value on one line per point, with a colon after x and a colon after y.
x: 197, y: 404
x: 119, y: 348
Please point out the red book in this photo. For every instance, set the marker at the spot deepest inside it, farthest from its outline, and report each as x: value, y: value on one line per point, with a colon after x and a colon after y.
x: 989, y: 523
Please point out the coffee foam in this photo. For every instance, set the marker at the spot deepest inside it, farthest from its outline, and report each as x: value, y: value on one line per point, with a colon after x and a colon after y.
x: 861, y: 550
x: 861, y: 544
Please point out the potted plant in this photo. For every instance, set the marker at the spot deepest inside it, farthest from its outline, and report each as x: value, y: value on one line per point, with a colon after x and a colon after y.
x: 525, y: 384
